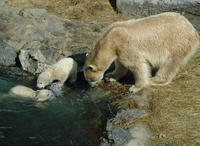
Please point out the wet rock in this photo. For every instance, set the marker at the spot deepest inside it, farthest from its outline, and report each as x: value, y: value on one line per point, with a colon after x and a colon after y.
x: 115, y: 130
x: 57, y: 89
x: 8, y: 55
x: 31, y: 58
x: 104, y: 142
x: 149, y: 7
x: 118, y: 135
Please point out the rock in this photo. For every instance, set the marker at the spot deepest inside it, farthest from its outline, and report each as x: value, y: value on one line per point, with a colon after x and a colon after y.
x: 119, y: 135
x: 3, y: 24
x: 104, y: 142
x: 149, y: 7
x: 137, y: 135
x: 2, y: 2
x: 141, y: 135
x: 49, y: 35
x: 34, y: 31
x: 33, y: 13
x: 8, y: 55
x: 44, y: 95
x: 57, y: 89
x: 11, y: 71
x: 55, y: 26
x: 115, y: 132
x: 31, y: 58
x: 2, y: 35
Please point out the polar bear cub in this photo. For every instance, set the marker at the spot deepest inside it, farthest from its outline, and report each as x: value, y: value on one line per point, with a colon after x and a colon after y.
x: 22, y: 91
x: 60, y: 71
x: 28, y: 93
x: 165, y: 41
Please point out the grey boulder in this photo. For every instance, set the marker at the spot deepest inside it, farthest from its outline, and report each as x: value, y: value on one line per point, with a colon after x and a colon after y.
x: 8, y: 55
x: 149, y: 7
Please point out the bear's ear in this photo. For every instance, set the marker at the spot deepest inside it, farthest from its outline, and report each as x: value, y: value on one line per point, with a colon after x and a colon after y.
x: 92, y: 67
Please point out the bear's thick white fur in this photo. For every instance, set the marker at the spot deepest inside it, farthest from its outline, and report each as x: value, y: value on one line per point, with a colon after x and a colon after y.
x: 165, y: 41
x: 22, y: 91
x: 28, y: 93
x: 44, y: 94
x: 61, y: 71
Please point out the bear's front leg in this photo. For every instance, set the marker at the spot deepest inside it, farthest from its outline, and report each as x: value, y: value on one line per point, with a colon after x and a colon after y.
x: 141, y: 73
x: 119, y: 72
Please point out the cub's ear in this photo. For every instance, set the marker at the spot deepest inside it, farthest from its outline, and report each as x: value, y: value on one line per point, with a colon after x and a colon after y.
x: 91, y: 67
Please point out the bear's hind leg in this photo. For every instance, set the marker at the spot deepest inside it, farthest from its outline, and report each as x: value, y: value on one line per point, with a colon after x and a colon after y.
x: 166, y: 72
x: 119, y: 71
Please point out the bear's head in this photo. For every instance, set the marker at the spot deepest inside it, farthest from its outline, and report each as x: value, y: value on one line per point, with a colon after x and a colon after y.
x: 44, y: 94
x: 102, y: 56
x: 93, y: 74
x: 44, y: 79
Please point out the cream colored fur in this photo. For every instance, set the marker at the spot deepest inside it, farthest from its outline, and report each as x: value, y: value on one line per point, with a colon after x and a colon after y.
x: 44, y: 94
x: 22, y: 91
x: 61, y: 71
x: 28, y: 93
x: 165, y: 41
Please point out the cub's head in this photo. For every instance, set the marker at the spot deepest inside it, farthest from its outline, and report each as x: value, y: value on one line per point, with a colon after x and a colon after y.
x: 44, y: 94
x: 93, y: 73
x: 44, y: 79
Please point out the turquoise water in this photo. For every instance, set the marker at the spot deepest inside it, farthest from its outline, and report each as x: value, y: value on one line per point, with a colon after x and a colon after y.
x: 72, y: 120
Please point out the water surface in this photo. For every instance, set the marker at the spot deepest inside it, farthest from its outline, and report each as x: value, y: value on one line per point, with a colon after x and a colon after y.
x: 72, y: 120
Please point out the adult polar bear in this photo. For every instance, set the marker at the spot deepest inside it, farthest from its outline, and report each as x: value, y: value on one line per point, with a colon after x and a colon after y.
x: 165, y: 41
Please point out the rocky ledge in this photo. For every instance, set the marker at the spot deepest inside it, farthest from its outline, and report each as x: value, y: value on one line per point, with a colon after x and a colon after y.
x: 33, y: 38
